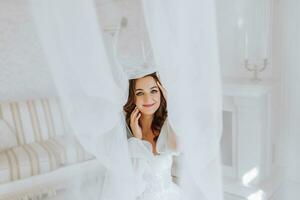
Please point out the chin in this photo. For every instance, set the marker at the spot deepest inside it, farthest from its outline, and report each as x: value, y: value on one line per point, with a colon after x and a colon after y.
x: 148, y: 112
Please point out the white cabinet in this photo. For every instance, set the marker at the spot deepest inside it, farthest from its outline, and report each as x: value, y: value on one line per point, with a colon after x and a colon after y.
x: 249, y: 138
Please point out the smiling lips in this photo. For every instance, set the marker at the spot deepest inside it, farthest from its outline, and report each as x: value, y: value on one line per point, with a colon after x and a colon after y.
x: 148, y: 105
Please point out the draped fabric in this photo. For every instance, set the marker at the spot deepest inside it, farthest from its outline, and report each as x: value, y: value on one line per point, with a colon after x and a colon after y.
x: 184, y: 39
x: 93, y: 89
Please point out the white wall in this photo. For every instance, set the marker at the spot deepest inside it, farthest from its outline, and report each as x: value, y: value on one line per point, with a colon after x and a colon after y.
x: 285, y: 59
x: 230, y: 50
x: 24, y: 72
x: 287, y: 56
x: 235, y: 17
x: 23, y: 69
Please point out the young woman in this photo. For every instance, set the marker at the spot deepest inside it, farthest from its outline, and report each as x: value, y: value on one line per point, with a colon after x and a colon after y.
x: 152, y: 142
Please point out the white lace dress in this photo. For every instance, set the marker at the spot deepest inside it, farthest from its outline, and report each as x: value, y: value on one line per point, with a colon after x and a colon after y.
x: 153, y: 172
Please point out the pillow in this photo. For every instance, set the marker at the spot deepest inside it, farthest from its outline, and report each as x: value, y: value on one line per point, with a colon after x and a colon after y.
x: 7, y: 136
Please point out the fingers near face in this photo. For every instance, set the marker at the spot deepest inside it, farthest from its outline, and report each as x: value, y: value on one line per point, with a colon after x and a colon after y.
x: 134, y: 113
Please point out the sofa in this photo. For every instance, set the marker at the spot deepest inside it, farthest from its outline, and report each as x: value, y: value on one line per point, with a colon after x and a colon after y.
x: 38, y: 155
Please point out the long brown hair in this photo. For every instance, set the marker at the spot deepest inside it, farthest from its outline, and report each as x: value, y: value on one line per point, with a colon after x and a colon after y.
x: 159, y: 116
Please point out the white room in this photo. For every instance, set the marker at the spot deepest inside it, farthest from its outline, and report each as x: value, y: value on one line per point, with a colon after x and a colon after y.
x: 230, y: 70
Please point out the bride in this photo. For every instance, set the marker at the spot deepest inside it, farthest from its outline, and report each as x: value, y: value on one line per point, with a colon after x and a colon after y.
x: 152, y: 142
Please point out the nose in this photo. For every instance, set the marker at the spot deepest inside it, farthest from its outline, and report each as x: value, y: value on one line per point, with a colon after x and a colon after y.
x: 147, y: 98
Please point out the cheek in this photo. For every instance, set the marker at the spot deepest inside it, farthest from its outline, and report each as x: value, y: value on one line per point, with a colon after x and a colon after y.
x: 157, y: 99
x: 138, y: 101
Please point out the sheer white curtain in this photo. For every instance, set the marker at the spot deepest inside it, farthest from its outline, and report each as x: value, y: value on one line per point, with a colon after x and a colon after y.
x: 92, y: 90
x: 183, y: 35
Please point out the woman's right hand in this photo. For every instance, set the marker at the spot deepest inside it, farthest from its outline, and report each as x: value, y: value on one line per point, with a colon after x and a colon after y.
x: 134, y: 123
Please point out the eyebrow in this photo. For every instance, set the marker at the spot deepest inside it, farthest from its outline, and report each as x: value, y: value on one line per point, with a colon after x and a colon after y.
x: 150, y: 88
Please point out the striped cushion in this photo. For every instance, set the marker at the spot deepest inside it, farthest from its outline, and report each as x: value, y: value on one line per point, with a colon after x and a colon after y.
x: 39, y: 157
x: 33, y: 120
x: 7, y: 136
x: 68, y: 149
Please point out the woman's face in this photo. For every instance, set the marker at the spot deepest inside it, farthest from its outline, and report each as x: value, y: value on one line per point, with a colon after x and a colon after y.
x: 147, y: 95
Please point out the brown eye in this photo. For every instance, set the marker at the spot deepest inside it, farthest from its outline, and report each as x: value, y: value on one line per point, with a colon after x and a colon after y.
x: 139, y: 94
x: 154, y: 91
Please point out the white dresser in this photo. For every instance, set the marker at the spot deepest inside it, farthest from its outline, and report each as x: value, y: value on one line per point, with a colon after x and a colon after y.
x: 250, y: 138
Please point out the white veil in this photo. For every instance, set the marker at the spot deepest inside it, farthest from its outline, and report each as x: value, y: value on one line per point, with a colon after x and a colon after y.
x: 93, y: 90
x: 184, y: 39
